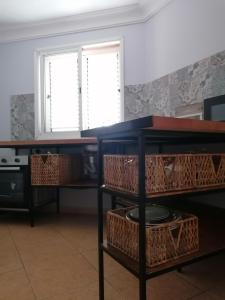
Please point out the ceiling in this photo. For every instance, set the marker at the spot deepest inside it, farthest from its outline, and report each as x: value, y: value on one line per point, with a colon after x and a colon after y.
x: 17, y: 12
x: 25, y: 19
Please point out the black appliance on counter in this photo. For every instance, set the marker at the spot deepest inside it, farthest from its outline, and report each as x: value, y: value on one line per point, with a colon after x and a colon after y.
x: 214, y: 108
x: 15, y: 188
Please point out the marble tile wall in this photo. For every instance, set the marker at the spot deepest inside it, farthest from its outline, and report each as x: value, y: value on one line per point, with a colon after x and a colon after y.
x: 184, y: 87
x: 22, y: 117
x: 164, y: 96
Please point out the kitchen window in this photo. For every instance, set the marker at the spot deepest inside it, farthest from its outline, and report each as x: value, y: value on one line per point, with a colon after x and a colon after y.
x: 78, y: 88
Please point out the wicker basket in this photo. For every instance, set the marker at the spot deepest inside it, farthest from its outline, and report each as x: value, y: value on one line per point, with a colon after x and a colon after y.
x: 164, y: 243
x: 210, y: 169
x: 164, y: 172
x: 54, y: 169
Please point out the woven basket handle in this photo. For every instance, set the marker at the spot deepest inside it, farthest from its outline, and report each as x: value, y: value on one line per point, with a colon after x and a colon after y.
x: 44, y: 158
x: 177, y: 243
x: 216, y: 159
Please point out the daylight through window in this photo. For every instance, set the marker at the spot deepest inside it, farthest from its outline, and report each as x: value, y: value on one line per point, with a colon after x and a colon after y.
x: 80, y: 88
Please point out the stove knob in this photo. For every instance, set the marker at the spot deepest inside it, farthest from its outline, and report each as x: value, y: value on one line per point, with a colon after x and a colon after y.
x: 17, y: 160
x: 4, y: 160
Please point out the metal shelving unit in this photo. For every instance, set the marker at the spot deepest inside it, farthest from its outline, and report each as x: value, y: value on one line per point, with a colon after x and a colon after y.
x: 57, y: 145
x: 141, y: 137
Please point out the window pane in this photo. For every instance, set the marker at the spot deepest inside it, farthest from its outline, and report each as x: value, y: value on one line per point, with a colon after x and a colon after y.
x: 101, y: 88
x: 61, y: 92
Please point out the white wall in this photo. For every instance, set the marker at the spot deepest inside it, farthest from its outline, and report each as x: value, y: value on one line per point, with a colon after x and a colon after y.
x: 182, y: 33
x: 17, y: 63
x: 17, y: 77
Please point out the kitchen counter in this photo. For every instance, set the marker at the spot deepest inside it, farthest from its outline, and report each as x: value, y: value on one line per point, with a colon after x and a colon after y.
x: 157, y: 124
x: 47, y: 143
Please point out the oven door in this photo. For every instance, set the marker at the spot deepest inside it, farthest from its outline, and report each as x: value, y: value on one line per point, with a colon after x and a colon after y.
x: 12, y: 187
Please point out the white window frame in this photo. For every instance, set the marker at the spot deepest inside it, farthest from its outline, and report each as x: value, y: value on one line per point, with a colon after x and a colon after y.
x: 39, y: 54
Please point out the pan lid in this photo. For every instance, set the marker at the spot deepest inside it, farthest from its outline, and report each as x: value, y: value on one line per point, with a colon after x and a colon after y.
x: 153, y: 214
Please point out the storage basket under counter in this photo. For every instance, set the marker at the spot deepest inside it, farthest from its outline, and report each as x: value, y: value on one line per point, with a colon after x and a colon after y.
x: 55, y: 169
x: 164, y: 172
x: 165, y: 242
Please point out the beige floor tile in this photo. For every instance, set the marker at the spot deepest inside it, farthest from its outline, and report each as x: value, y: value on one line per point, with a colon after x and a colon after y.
x: 170, y: 287
x: 80, y: 232
x: 206, y: 296
x: 206, y: 273
x: 89, y: 293
x: 46, y: 250
x: 167, y: 286
x: 15, y: 286
x: 60, y: 260
x: 84, y: 240
x: 49, y: 259
x: 9, y: 258
x: 4, y: 230
x: 23, y: 234
x: 111, y: 266
x: 49, y: 281
x: 219, y: 290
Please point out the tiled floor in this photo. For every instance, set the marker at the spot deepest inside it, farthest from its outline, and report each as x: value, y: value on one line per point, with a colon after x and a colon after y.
x: 57, y: 260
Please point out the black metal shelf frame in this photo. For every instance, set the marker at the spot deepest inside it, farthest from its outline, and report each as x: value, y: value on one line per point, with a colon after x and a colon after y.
x: 143, y: 137
x: 140, y: 138
x: 31, y: 207
x: 133, y: 266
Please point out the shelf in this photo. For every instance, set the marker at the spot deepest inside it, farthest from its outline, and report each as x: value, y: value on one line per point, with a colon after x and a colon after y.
x: 211, y: 225
x: 121, y: 194
x: 82, y: 184
x: 135, y: 198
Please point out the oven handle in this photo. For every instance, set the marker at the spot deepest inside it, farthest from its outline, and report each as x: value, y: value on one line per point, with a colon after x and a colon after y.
x: 9, y: 168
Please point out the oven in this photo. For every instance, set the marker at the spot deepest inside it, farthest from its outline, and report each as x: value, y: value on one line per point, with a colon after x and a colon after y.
x: 14, y: 183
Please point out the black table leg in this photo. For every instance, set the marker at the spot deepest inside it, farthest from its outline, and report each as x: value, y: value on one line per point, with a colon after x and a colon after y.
x: 113, y: 202
x: 58, y: 200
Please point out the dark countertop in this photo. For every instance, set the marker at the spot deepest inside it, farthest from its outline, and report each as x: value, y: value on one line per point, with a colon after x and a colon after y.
x: 156, y: 124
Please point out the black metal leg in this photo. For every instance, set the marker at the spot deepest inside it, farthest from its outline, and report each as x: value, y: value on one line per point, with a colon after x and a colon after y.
x: 113, y: 202
x: 29, y: 194
x: 100, y: 223
x: 31, y: 207
x: 100, y: 250
x: 58, y: 200
x: 142, y: 288
x: 57, y: 191
x: 160, y: 148
x: 142, y: 233
x: 142, y: 261
x: 31, y: 214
